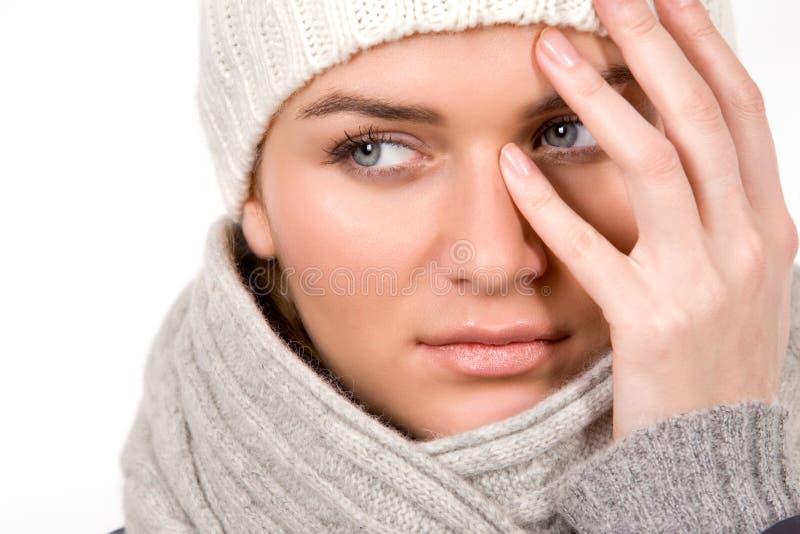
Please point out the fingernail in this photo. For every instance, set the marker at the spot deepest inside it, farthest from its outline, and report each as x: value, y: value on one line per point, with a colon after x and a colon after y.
x: 558, y: 48
x: 682, y: 3
x: 516, y: 162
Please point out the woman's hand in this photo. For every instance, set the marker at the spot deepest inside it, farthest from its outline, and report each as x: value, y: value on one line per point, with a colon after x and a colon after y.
x: 699, y: 309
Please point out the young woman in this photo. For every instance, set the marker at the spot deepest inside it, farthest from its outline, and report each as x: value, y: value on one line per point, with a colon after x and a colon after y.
x: 479, y: 274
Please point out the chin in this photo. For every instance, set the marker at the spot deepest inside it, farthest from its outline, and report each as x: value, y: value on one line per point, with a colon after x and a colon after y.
x: 469, y: 406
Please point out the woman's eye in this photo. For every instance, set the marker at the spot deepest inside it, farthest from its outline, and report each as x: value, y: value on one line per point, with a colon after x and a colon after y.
x: 567, y: 134
x: 374, y: 154
x: 380, y: 154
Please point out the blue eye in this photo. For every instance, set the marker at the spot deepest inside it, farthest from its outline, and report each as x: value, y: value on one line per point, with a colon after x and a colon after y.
x: 564, y: 132
x: 369, y: 154
x: 373, y: 154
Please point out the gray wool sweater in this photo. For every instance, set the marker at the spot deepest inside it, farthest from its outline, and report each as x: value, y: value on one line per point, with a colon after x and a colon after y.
x: 237, y: 433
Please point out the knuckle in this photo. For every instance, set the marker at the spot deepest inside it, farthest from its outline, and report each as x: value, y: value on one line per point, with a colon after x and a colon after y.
x: 659, y: 160
x: 590, y: 86
x: 753, y: 256
x: 794, y: 241
x: 582, y: 239
x: 536, y: 203
x: 640, y: 22
x: 791, y: 241
x: 701, y: 31
x: 701, y: 106
x: 748, y: 100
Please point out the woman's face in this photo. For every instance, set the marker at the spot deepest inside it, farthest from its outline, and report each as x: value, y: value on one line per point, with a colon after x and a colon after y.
x: 411, y: 232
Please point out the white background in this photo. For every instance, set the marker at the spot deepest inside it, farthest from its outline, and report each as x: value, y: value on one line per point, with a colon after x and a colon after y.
x: 106, y: 192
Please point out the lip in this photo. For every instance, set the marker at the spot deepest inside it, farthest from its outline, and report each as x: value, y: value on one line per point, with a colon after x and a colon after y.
x: 477, y: 359
x: 494, y: 351
x: 500, y: 334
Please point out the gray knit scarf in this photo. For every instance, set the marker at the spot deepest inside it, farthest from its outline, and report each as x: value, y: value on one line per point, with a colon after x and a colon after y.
x: 236, y: 433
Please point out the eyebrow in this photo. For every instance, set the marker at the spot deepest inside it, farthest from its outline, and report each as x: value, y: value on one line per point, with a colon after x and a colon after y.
x: 339, y: 102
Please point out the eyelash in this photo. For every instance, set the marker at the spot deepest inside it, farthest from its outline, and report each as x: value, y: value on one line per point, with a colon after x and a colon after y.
x: 346, y: 148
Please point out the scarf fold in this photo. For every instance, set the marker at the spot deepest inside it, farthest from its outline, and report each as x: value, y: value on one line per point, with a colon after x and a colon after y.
x: 236, y: 433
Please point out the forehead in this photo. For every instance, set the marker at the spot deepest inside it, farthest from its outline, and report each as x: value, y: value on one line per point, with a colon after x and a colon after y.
x: 445, y: 69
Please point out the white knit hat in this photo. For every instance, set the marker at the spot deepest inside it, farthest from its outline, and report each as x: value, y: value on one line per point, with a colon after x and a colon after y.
x: 255, y: 53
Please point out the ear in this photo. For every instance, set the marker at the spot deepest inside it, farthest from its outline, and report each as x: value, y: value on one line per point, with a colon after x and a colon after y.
x: 256, y: 229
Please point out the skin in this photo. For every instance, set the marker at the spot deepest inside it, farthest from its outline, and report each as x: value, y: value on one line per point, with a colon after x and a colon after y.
x: 612, y: 231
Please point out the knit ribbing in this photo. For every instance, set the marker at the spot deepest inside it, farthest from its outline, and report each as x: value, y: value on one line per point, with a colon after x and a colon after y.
x: 330, y: 444
x: 640, y: 482
x: 255, y: 54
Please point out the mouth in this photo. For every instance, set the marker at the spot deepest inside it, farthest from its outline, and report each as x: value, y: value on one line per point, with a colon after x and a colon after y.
x: 495, y: 334
x: 494, y: 360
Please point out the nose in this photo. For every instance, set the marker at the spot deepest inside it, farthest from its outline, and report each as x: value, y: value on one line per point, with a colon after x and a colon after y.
x: 493, y: 248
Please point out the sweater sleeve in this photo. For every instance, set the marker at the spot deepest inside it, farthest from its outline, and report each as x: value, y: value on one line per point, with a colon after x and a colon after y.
x: 721, y: 469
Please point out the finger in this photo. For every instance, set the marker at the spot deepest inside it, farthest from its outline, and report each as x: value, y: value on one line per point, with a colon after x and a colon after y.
x: 660, y: 195
x: 689, y: 108
x: 740, y: 98
x: 601, y: 269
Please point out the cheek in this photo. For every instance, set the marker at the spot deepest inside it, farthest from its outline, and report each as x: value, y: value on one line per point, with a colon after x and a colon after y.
x: 597, y: 193
x: 325, y: 218
x: 334, y: 226
x: 351, y: 250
